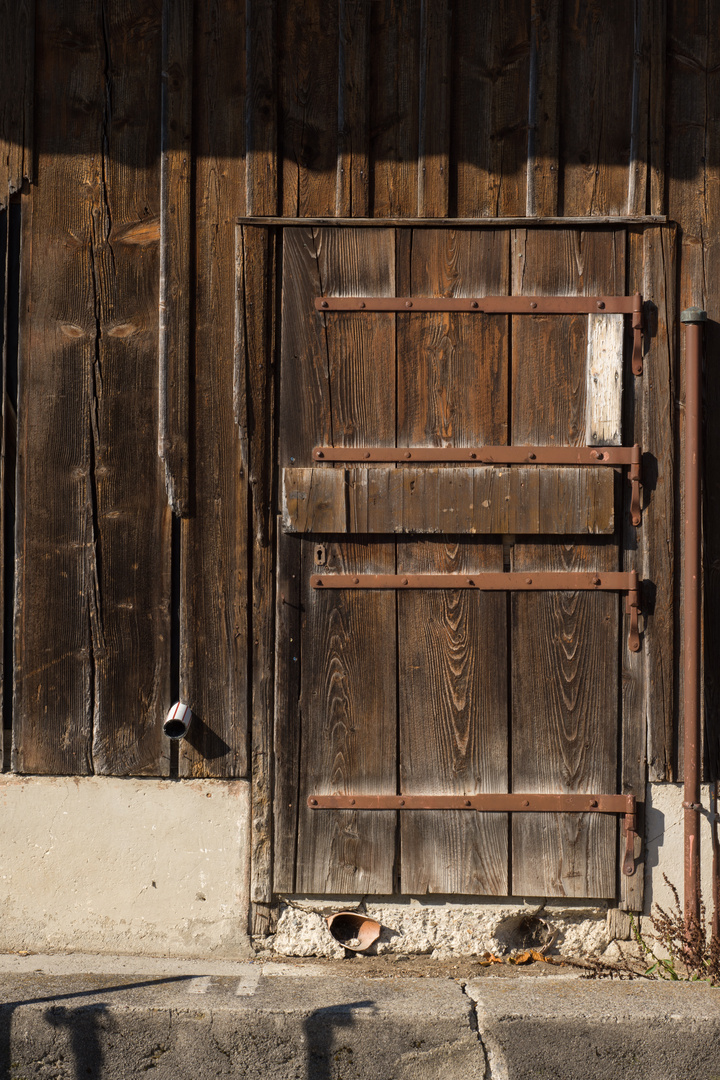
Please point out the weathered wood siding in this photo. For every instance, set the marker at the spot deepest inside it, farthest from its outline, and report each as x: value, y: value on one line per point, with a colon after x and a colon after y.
x: 122, y: 146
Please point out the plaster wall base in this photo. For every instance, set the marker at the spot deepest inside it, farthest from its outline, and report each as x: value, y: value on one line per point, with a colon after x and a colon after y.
x: 108, y: 865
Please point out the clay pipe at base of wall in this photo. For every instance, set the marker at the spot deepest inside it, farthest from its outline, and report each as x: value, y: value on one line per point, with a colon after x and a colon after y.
x: 693, y: 318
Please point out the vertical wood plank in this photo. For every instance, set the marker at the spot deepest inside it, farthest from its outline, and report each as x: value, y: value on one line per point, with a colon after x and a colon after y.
x: 214, y: 639
x: 434, y: 107
x: 347, y: 695
x: 261, y: 104
x: 394, y: 107
x: 352, y: 197
x: 452, y: 646
x: 692, y: 187
x: 175, y: 218
x: 564, y: 645
x: 288, y: 659
x: 17, y: 65
x: 543, y: 165
x: 604, y: 373
x: 92, y: 679
x: 658, y: 90
x: 596, y: 109
x: 308, y: 95
x: 491, y: 75
x: 256, y: 353
x: 263, y: 149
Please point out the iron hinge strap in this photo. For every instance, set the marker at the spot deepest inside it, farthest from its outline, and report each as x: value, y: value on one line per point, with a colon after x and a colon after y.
x: 498, y: 804
x: 499, y: 455
x: 489, y: 581
x: 501, y: 305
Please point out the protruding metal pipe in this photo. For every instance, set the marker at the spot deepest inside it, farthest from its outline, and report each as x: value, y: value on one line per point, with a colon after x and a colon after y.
x: 177, y: 721
x: 693, y: 318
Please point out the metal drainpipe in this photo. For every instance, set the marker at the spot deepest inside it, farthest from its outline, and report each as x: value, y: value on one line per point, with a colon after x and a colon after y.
x: 693, y: 319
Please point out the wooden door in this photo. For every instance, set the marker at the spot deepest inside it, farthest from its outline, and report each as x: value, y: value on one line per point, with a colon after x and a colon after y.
x: 425, y: 692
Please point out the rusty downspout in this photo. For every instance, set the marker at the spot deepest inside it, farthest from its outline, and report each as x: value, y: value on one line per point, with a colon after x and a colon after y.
x: 693, y: 318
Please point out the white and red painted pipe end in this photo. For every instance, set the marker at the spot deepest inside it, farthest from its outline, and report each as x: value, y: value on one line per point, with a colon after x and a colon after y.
x: 177, y: 721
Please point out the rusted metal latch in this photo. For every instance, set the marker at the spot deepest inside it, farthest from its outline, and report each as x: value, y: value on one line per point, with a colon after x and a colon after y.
x: 503, y: 305
x: 490, y: 581
x: 501, y: 455
x: 499, y: 804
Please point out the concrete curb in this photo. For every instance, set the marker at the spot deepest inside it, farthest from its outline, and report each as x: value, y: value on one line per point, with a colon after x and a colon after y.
x: 253, y: 1026
x: 579, y: 1029
x: 281, y: 1022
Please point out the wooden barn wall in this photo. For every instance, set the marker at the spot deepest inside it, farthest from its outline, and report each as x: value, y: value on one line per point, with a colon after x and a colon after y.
x: 137, y: 134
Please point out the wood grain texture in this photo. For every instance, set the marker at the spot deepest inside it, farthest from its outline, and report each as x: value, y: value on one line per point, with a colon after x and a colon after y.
x: 446, y: 499
x: 452, y: 659
x: 308, y: 105
x: 352, y: 196
x: 434, y: 109
x: 604, y: 373
x: 175, y: 226
x: 286, y: 734
x: 17, y: 65
x: 256, y: 350
x: 654, y: 417
x: 596, y: 105
x: 491, y: 70
x: 347, y: 689
x: 394, y: 107
x: 692, y: 187
x: 214, y: 638
x: 260, y: 98
x: 543, y: 165
x: 93, y: 671
x: 564, y: 646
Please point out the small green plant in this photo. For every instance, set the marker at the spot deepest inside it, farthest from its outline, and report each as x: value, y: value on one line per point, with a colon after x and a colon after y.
x: 693, y: 951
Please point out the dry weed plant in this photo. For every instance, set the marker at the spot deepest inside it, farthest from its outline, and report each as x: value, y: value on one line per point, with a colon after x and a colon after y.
x: 693, y: 950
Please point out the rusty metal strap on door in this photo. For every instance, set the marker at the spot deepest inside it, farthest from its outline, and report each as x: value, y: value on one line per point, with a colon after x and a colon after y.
x: 500, y: 455
x: 501, y: 305
x: 513, y: 581
x: 498, y: 804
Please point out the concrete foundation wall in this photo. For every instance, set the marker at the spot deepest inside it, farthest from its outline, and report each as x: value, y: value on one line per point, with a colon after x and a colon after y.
x: 160, y: 867
x: 124, y: 865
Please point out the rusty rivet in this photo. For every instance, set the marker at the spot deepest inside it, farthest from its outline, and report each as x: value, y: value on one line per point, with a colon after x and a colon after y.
x: 601, y: 304
x: 402, y: 802
x: 473, y: 456
x: 367, y: 453
x: 470, y: 581
x: 404, y: 581
x: 533, y: 304
x: 408, y: 303
x: 474, y: 304
x: 319, y: 581
x: 352, y: 802
x: 356, y: 581
x: 528, y: 581
x: 526, y: 802
x: 596, y: 581
x: 362, y: 303
x: 532, y: 457
x: 408, y: 455
x: 593, y: 802
x: 319, y: 454
x: 468, y: 803
x: 313, y: 802
x: 324, y: 304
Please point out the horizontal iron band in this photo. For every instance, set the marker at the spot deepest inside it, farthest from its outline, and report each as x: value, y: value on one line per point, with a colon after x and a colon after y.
x: 489, y: 305
x: 486, y: 455
x: 574, y: 804
x: 568, y: 581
